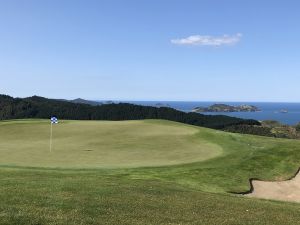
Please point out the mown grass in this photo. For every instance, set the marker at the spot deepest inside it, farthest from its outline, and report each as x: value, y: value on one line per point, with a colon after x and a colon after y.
x: 188, y: 193
x: 101, y: 144
x: 244, y: 157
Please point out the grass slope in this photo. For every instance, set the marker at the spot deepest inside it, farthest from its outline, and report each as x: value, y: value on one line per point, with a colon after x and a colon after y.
x: 187, y: 193
x: 81, y: 198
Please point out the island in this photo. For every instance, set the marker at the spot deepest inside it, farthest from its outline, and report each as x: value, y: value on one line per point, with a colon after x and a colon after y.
x: 227, y: 108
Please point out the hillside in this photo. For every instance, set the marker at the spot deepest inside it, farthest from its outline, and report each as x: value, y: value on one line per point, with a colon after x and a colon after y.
x: 39, y: 107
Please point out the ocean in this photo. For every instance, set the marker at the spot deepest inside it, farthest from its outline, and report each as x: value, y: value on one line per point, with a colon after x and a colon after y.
x: 269, y: 111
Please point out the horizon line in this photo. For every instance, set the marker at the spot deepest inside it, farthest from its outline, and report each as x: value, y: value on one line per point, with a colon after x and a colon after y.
x: 158, y: 100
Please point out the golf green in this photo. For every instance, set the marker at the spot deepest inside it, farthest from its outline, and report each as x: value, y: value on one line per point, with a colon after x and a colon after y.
x: 102, y: 144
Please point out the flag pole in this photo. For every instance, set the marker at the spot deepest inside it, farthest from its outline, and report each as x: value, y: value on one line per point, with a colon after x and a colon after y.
x: 51, y: 137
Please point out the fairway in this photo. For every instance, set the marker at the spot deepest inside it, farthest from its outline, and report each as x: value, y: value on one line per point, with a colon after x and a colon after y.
x: 102, y: 144
x: 139, y: 172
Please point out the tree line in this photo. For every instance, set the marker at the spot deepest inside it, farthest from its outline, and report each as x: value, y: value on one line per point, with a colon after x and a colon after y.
x: 39, y: 107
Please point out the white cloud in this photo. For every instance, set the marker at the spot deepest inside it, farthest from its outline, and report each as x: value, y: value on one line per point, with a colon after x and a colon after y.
x: 206, y: 40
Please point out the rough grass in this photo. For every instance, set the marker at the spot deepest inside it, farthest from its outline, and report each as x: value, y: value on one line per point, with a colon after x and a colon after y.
x: 188, y: 193
x: 52, y: 197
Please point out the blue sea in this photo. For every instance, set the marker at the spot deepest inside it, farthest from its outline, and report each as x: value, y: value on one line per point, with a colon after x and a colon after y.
x: 269, y: 111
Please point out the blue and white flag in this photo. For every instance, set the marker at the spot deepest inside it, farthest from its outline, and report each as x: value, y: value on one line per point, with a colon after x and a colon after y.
x: 54, y: 120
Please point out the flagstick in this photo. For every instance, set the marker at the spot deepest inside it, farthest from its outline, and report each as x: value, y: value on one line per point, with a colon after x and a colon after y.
x: 51, y: 138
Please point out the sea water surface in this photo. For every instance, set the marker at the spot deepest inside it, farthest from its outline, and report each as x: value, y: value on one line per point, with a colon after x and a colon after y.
x: 269, y: 111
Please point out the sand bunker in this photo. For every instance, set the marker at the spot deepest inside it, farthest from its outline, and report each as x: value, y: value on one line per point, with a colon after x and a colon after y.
x: 282, y: 190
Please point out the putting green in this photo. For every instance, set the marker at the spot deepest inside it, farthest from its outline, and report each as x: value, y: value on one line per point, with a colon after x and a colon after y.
x: 102, y: 144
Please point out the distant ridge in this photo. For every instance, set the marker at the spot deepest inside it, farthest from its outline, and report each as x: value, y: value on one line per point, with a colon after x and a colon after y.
x: 81, y: 101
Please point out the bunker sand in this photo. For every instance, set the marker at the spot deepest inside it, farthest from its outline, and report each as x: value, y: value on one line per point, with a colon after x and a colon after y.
x: 280, y: 190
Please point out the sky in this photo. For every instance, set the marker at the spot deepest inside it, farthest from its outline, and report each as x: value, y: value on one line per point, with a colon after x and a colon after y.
x: 185, y: 50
